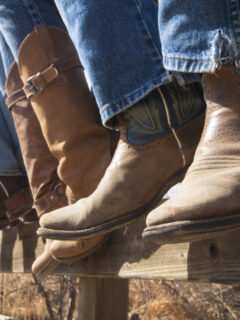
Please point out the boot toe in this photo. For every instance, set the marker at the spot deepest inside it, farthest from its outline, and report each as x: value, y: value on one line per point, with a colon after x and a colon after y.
x: 49, y: 220
x: 153, y: 218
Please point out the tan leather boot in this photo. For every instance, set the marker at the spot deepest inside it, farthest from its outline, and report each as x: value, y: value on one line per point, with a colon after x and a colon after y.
x: 158, y: 137
x: 208, y: 202
x: 48, y: 191
x: 54, y: 82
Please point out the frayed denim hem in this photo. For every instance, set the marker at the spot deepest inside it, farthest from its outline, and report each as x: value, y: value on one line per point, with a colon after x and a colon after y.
x: 197, y: 66
x: 222, y: 51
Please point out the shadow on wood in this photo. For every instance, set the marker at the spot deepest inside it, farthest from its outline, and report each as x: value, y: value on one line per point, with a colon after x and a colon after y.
x: 126, y: 255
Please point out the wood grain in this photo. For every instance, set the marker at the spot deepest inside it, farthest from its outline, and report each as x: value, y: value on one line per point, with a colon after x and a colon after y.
x: 126, y: 255
x: 103, y: 299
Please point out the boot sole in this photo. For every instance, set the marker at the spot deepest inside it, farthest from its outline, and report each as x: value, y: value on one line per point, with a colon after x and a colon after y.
x: 85, y: 254
x: 190, y: 231
x: 48, y: 268
x: 55, y: 261
x: 113, y: 224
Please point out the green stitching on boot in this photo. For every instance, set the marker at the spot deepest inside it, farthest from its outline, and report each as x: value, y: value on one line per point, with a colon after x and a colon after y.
x: 184, y: 104
x: 147, y: 121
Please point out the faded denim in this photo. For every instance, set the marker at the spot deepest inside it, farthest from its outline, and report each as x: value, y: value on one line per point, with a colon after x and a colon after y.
x: 199, y: 36
x: 118, y: 43
x: 17, y: 19
x: 11, y: 162
x: 129, y: 47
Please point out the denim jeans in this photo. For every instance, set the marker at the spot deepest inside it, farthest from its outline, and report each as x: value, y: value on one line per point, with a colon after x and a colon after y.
x: 25, y: 15
x: 129, y: 47
x: 11, y: 162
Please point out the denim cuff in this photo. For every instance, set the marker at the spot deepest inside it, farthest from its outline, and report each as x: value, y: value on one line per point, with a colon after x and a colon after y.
x: 109, y: 111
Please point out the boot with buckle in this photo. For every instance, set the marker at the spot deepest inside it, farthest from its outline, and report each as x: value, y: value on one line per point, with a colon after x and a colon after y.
x: 49, y: 192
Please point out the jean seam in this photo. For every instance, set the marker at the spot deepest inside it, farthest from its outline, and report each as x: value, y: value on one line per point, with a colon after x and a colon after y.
x: 183, y: 59
x: 196, y: 60
x: 158, y: 53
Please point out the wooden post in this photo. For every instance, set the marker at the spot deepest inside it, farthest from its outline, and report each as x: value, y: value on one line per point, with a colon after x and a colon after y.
x: 101, y: 298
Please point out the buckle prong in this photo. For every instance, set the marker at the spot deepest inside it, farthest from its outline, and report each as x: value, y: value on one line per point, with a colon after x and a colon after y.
x: 31, y: 86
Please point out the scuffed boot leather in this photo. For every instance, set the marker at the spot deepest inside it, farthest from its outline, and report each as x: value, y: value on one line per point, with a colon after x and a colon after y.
x: 48, y: 191
x: 158, y: 137
x: 55, y: 84
x: 208, y: 202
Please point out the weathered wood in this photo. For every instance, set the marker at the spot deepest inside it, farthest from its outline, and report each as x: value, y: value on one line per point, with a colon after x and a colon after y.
x: 103, y: 299
x: 126, y: 255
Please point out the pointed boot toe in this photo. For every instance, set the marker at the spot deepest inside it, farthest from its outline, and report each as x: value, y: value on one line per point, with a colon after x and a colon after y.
x: 207, y: 203
x: 44, y: 264
x: 67, y: 251
x: 157, y: 144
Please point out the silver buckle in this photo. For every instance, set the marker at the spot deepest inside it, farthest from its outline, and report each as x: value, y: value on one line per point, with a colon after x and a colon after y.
x: 31, y: 86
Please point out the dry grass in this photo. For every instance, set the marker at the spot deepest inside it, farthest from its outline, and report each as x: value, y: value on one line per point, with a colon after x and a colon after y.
x: 148, y: 299
x: 152, y: 300
x: 21, y: 298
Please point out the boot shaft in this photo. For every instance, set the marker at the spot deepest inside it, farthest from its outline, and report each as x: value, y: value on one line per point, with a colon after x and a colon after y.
x: 221, y: 134
x: 48, y: 192
x: 54, y: 81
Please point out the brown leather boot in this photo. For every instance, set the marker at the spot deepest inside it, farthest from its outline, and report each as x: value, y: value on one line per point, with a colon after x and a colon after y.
x: 208, y: 202
x: 158, y: 137
x: 15, y: 200
x: 54, y: 82
x: 48, y: 191
x: 39, y: 163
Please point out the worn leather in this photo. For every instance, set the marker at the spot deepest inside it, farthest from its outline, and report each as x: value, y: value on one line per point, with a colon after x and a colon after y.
x: 41, y: 166
x: 63, y: 251
x: 66, y: 110
x: 211, y: 187
x: 45, y: 263
x: 135, y: 181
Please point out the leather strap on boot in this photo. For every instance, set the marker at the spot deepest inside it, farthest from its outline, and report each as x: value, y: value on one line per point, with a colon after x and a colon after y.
x: 54, y: 82
x: 50, y: 200
x: 48, y: 190
x: 38, y: 82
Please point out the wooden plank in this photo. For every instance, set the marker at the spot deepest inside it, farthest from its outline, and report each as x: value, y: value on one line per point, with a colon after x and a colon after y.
x: 103, y: 299
x: 126, y: 255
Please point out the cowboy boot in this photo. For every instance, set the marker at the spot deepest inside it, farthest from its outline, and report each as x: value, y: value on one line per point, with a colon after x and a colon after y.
x: 207, y: 202
x: 55, y: 84
x: 48, y: 191
x: 158, y: 137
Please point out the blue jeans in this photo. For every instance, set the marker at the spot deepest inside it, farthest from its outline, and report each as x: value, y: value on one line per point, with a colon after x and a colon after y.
x: 129, y: 47
x: 11, y: 163
x: 25, y: 15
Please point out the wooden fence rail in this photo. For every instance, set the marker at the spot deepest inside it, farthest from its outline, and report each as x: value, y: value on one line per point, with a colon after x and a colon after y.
x: 104, y: 284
